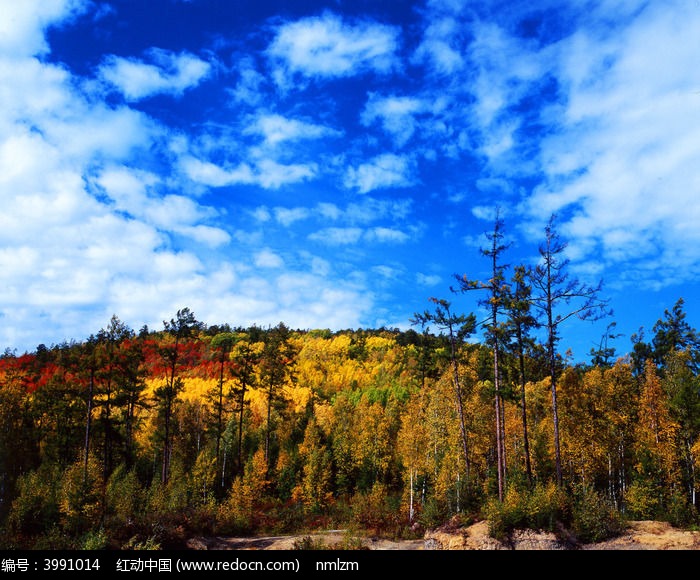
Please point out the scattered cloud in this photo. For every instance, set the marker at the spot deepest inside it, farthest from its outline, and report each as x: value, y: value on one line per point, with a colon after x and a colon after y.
x: 384, y: 171
x: 337, y: 236
x: 381, y: 234
x: 288, y: 216
x: 428, y: 279
x: 623, y: 157
x: 266, y: 258
x: 438, y: 50
x: 166, y: 73
x: 115, y: 201
x: 276, y: 129
x: 266, y: 173
x: 395, y: 114
x: 328, y: 46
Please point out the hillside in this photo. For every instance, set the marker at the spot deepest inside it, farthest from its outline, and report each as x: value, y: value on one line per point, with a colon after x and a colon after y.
x: 144, y: 439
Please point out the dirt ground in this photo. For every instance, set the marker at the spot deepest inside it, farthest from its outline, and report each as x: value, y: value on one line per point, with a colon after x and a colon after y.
x: 650, y: 535
x: 332, y: 539
x: 641, y: 535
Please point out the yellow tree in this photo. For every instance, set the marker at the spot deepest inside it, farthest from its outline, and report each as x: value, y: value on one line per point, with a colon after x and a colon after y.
x: 315, y: 487
x: 412, y: 448
x: 621, y: 405
x: 374, y: 445
x: 656, y: 436
x: 457, y: 328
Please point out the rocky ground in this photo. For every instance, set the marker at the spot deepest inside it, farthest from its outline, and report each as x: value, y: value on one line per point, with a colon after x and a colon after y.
x: 641, y: 535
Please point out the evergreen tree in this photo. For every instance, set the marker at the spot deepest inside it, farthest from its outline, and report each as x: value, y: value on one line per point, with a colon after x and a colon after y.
x: 178, y: 329
x: 276, y: 368
x: 556, y: 290
x: 520, y: 324
x: 498, y: 292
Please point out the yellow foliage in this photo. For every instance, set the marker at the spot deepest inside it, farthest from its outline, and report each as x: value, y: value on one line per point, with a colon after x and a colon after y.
x: 379, y: 343
x: 298, y: 397
x: 324, y: 417
x: 257, y: 399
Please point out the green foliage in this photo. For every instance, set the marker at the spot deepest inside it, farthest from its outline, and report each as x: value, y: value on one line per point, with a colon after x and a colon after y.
x: 81, y: 497
x: 681, y: 512
x: 539, y: 508
x: 340, y: 445
x: 134, y: 543
x: 126, y: 497
x: 95, y: 540
x: 36, y: 510
x: 434, y: 513
x: 235, y: 513
x: 594, y: 517
x: 56, y: 538
x: 377, y: 511
x: 309, y: 543
x: 643, y: 500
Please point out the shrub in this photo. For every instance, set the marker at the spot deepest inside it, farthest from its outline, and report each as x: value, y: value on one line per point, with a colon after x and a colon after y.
x: 376, y: 511
x: 681, y: 512
x: 642, y: 500
x: 95, y: 540
x: 595, y: 519
x: 126, y: 498
x: 35, y: 510
x: 539, y: 508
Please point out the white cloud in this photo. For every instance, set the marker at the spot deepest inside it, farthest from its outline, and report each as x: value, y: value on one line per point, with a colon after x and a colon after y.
x: 437, y: 49
x: 266, y: 258
x: 248, y: 90
x: 129, y: 192
x: 277, y: 129
x: 327, y: 46
x: 273, y: 175
x: 92, y: 225
x: 351, y: 235
x: 329, y: 210
x: 265, y: 172
x: 169, y: 74
x: 208, y: 173
x: 625, y: 154
x: 337, y: 236
x: 384, y: 171
x: 387, y: 272
x: 396, y: 115
x: 207, y: 235
x: 287, y: 216
x: 22, y: 24
x: 427, y: 279
x: 261, y: 214
x: 381, y: 234
x: 505, y: 70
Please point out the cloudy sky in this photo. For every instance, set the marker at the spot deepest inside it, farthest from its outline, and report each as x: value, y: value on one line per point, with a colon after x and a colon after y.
x: 334, y: 164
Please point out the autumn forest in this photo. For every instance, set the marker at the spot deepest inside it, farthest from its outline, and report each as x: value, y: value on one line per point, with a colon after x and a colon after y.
x: 141, y: 438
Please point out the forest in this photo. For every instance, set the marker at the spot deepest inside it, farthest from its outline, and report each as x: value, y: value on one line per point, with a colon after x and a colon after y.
x: 139, y: 439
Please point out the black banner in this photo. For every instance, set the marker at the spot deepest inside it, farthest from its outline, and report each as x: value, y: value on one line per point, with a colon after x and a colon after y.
x: 308, y: 563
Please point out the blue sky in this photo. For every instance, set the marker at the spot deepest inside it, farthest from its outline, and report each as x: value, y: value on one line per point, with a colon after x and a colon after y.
x: 334, y: 164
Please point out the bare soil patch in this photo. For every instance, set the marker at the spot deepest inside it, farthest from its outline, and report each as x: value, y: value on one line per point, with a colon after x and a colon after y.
x: 332, y: 539
x: 640, y: 535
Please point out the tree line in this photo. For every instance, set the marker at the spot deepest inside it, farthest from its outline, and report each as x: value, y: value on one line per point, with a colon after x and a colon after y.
x: 144, y: 438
